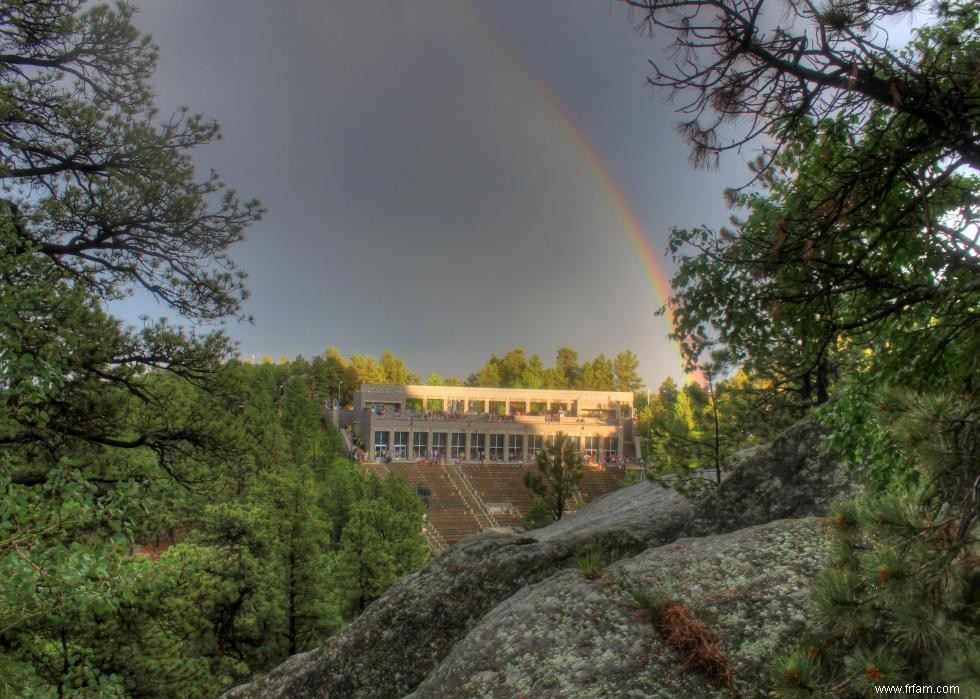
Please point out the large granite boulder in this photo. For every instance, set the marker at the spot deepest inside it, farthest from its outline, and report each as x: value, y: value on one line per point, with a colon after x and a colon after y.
x: 792, y: 476
x: 573, y: 637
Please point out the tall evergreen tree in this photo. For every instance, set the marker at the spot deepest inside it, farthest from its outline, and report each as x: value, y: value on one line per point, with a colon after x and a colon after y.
x: 557, y: 480
x: 626, y: 368
x: 566, y: 362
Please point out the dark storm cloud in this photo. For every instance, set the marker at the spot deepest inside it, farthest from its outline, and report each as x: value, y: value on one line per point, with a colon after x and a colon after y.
x: 422, y: 194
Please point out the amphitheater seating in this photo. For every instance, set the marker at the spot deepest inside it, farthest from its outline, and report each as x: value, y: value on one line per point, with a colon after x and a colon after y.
x: 448, y: 511
x: 502, y: 483
x: 596, y: 481
x: 453, y: 512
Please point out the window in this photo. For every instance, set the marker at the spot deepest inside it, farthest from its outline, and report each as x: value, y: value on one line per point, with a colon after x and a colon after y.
x: 518, y: 407
x: 592, y: 448
x: 496, y: 447
x: 611, y: 447
x: 515, y: 447
x: 538, y: 407
x: 478, y: 446
x: 535, y: 443
x: 381, y: 444
x: 420, y: 441
x: 401, y: 445
x: 459, y: 445
x: 559, y: 407
x: 456, y: 406
x: 439, y: 444
x: 576, y: 443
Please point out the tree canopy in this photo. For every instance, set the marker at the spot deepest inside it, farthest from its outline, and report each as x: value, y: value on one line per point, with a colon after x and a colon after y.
x: 105, y: 187
x: 171, y: 522
x: 765, y: 69
x: 861, y: 222
x: 849, y: 281
x: 516, y: 370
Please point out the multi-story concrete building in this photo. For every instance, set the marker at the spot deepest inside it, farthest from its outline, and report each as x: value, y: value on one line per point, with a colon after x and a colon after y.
x: 490, y: 424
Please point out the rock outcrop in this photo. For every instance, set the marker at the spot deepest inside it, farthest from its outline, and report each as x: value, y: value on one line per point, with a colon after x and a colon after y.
x: 573, y: 637
x: 792, y: 476
x: 510, y: 614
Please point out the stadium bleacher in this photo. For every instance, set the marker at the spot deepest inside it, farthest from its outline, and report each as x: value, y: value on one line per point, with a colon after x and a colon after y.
x: 454, y: 513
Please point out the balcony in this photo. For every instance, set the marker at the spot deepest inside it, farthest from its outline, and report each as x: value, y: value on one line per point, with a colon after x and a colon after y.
x: 489, y: 418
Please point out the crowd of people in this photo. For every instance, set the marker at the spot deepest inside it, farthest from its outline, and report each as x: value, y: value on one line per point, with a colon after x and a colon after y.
x: 459, y: 415
x: 435, y: 456
x: 514, y: 456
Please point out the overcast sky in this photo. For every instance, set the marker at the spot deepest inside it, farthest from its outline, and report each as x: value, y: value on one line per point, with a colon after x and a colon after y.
x: 424, y: 192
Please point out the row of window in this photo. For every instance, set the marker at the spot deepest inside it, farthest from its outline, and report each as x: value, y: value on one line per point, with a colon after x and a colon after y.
x: 502, y: 447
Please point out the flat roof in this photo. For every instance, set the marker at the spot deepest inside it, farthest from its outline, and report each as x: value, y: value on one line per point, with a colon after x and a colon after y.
x: 382, y: 389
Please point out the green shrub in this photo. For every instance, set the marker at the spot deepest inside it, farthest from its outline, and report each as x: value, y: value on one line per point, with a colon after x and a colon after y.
x: 900, y: 601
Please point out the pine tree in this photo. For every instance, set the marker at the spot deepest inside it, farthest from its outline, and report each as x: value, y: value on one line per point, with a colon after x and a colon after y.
x: 900, y: 602
x: 559, y: 474
x: 626, y: 366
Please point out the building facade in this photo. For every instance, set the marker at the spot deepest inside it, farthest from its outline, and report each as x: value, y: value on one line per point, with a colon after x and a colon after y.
x: 407, y: 422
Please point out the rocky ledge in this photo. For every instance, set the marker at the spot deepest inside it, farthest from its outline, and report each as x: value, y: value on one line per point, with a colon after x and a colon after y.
x: 569, y: 636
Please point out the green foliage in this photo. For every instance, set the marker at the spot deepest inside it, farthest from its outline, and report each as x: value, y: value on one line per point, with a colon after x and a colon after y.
x: 840, y: 267
x: 631, y: 478
x: 694, y: 432
x: 598, y: 374
x: 515, y: 370
x: 626, y: 367
x: 106, y: 188
x: 651, y: 602
x: 591, y: 563
x: 97, y: 456
x: 900, y: 599
x: 168, y: 519
x: 559, y: 474
x: 850, y: 271
x: 539, y: 514
x: 275, y: 552
x: 796, y: 674
x: 86, y: 438
x: 381, y: 542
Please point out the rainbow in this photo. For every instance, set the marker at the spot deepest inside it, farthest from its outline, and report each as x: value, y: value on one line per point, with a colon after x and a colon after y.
x: 651, y: 261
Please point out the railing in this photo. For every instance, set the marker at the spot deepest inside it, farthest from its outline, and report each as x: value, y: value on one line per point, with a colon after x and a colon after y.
x: 409, y: 416
x: 576, y: 499
x: 434, y: 539
x: 445, y: 417
x: 347, y: 441
x: 474, y: 494
x: 448, y: 476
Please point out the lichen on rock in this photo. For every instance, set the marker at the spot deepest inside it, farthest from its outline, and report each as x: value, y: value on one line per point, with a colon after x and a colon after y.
x: 793, y: 476
x: 569, y: 637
